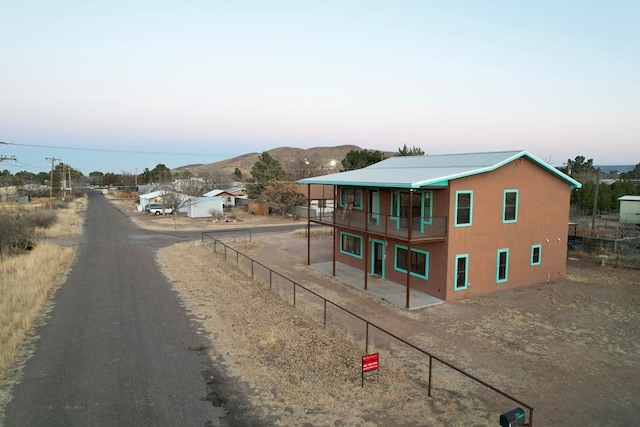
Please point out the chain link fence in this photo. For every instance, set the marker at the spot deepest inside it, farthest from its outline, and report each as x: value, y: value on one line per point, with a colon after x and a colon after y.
x: 604, y: 236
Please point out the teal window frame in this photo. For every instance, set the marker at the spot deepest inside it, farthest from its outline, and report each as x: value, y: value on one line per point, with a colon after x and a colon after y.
x: 506, y: 207
x: 457, y: 208
x: 426, y: 212
x: 384, y: 251
x: 535, y: 248
x: 356, y: 238
x: 499, y: 266
x: 457, y: 272
x: 396, y: 267
x: 357, y: 197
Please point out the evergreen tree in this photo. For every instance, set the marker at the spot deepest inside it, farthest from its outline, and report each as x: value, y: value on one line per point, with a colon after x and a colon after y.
x: 413, y: 151
x: 265, y: 171
x: 358, y: 159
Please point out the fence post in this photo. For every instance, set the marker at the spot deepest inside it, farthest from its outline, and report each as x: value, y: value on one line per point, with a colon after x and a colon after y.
x: 366, y: 346
x: 430, y: 365
x: 270, y: 278
x: 294, y: 293
x: 530, y: 417
x: 325, y: 312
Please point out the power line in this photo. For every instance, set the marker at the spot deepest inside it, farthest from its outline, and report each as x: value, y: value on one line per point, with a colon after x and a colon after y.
x: 111, y: 150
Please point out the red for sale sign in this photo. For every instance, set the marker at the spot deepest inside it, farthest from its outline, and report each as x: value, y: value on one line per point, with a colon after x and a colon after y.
x: 370, y: 365
x: 370, y: 362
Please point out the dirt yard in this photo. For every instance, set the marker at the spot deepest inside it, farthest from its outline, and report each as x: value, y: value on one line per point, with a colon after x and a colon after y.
x: 570, y: 349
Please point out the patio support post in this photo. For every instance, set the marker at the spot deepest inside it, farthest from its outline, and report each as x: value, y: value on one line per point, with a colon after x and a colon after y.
x: 309, y: 224
x: 335, y: 235
x: 366, y: 238
x: 409, y: 236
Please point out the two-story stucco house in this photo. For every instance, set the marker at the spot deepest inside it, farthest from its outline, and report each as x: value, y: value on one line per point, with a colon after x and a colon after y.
x: 452, y: 226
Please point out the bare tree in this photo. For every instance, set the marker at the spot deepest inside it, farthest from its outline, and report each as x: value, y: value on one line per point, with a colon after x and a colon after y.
x: 304, y: 167
x: 175, y: 201
x: 284, y: 194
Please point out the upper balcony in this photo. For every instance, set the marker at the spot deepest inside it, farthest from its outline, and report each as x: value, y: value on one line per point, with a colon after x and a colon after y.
x: 423, y: 229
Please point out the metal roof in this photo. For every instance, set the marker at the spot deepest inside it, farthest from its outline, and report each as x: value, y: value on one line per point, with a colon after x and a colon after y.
x: 630, y: 198
x: 214, y: 193
x: 425, y: 171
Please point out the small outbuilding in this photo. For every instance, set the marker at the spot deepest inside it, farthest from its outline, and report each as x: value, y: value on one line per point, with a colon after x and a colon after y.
x: 204, y: 207
x: 630, y: 209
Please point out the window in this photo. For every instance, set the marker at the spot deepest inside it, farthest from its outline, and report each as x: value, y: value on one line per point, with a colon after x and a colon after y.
x: 351, y: 196
x: 419, y: 262
x: 502, y: 266
x: 351, y: 244
x: 510, y: 206
x: 536, y: 254
x: 418, y: 205
x: 461, y: 272
x: 464, y: 207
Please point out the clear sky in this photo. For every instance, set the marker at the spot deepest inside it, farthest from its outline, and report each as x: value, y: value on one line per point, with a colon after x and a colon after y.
x: 117, y: 86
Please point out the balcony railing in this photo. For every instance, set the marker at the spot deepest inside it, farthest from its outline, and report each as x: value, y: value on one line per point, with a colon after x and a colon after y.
x: 386, y: 225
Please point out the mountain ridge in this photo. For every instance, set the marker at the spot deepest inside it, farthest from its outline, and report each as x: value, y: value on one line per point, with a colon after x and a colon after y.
x: 285, y: 155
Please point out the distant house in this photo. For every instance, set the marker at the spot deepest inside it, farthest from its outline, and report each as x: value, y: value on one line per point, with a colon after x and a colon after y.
x: 630, y: 209
x: 452, y: 226
x: 152, y: 197
x: 228, y: 199
x: 158, y: 196
x: 238, y: 190
x: 192, y: 184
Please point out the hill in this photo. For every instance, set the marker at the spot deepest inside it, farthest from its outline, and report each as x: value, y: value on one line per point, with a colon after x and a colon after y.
x: 615, y: 168
x: 285, y: 155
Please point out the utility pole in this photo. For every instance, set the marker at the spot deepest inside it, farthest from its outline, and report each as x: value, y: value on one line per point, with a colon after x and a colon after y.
x: 69, y: 173
x: 595, y: 200
x: 63, y: 186
x: 53, y: 159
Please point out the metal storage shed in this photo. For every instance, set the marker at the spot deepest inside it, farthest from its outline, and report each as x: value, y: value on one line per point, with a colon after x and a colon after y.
x: 630, y: 209
x: 204, y: 207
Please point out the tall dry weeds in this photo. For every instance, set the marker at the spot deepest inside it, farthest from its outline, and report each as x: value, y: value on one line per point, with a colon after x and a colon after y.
x: 69, y: 223
x: 29, y: 279
x: 26, y: 282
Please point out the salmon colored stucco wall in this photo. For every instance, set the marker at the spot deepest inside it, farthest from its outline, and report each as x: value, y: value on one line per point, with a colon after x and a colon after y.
x: 436, y: 283
x: 542, y: 218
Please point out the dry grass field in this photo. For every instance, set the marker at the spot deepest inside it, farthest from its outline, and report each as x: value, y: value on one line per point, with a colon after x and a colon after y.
x: 27, y: 283
x: 568, y: 348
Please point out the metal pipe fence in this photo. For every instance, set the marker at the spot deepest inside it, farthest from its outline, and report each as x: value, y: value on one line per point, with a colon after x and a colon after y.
x: 338, y: 317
